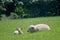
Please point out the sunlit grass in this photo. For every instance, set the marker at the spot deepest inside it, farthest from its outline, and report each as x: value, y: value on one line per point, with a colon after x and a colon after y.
x: 7, y: 28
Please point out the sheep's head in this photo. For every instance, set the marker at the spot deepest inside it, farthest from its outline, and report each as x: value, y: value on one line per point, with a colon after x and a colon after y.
x: 20, y: 30
x: 31, y: 28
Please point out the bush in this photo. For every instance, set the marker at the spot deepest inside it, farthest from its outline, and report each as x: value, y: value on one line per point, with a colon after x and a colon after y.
x: 4, y: 17
x: 13, y: 16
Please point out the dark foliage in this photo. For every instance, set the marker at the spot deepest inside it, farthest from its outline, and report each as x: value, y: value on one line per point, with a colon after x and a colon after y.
x: 27, y: 8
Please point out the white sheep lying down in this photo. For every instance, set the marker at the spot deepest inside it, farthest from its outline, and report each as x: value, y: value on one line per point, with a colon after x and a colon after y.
x: 18, y: 31
x: 38, y: 27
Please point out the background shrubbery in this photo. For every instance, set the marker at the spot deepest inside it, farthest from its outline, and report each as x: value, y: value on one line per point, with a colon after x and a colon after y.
x: 29, y: 8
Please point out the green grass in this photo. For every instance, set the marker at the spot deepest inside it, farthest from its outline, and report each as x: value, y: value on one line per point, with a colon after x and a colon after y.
x: 7, y: 28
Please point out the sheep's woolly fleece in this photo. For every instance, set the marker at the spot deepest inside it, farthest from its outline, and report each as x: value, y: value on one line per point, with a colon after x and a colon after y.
x: 38, y: 27
x: 18, y: 31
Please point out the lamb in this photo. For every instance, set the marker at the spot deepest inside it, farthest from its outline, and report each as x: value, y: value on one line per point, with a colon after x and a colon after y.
x: 18, y: 31
x: 38, y: 27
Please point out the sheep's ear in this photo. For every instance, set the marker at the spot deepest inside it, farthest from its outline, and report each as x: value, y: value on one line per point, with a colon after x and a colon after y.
x: 16, y: 28
x: 32, y: 27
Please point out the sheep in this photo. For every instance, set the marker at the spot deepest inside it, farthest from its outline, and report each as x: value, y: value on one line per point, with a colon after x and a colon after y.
x: 18, y: 31
x: 38, y: 27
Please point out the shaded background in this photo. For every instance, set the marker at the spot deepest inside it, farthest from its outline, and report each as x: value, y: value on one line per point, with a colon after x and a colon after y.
x: 15, y: 9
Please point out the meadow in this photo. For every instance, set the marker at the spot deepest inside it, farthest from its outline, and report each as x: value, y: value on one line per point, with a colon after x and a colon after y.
x: 7, y: 27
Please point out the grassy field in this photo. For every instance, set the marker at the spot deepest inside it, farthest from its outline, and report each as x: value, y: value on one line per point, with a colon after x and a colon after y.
x: 7, y: 28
